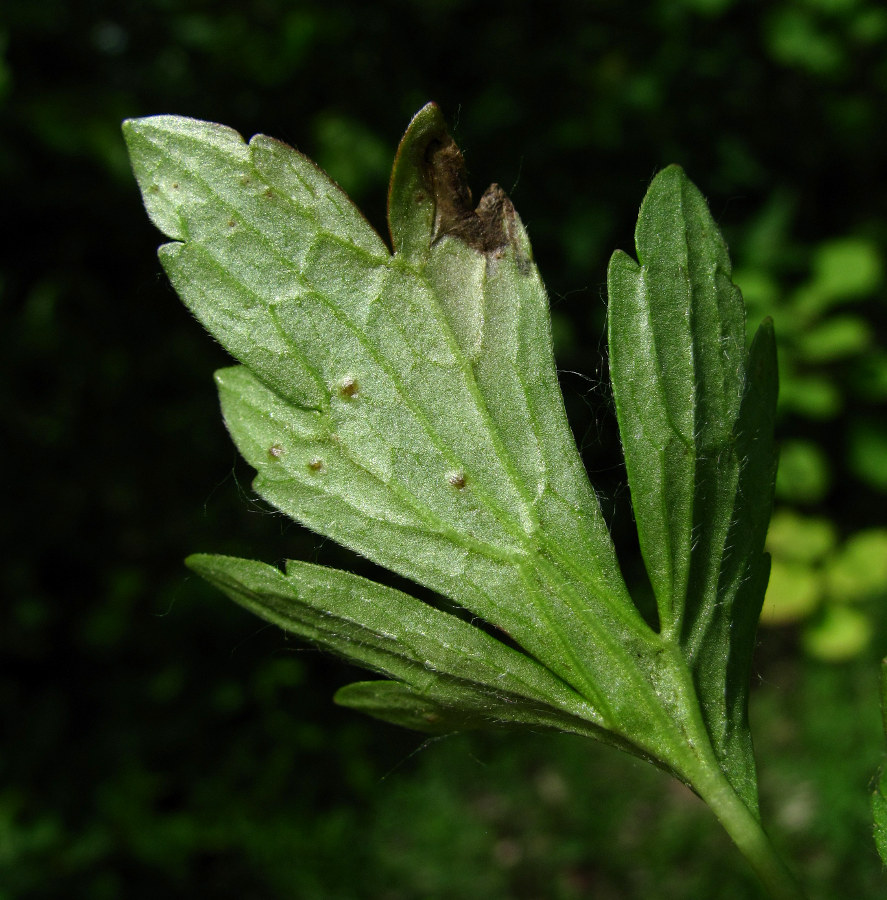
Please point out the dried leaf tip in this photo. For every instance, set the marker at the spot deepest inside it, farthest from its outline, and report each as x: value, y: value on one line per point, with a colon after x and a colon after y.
x: 484, y: 228
x: 429, y: 198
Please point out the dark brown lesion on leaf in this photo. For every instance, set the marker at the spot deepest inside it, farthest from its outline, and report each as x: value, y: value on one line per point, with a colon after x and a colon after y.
x: 485, y: 228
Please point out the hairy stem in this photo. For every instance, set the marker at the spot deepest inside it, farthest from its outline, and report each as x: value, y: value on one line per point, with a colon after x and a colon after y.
x: 748, y: 835
x: 699, y: 765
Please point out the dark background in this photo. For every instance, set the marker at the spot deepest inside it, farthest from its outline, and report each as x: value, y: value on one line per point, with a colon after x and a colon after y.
x: 155, y: 740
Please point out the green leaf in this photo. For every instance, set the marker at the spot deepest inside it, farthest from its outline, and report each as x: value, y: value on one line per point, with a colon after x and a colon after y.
x: 697, y: 436
x: 677, y: 352
x: 406, y: 404
x: 399, y: 704
x: 441, y: 658
x: 459, y: 708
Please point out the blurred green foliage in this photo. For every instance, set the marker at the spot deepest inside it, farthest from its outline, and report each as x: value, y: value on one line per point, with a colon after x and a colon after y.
x: 834, y: 588
x: 154, y: 740
x: 826, y: 300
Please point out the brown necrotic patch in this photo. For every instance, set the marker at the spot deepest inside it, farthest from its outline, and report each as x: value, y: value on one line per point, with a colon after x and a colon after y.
x: 484, y: 228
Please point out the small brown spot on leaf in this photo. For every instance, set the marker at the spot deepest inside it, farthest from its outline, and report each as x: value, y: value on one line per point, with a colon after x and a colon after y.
x: 348, y: 386
x: 275, y: 451
x: 268, y: 194
x: 315, y: 464
x: 456, y: 479
x: 175, y: 185
x: 231, y: 223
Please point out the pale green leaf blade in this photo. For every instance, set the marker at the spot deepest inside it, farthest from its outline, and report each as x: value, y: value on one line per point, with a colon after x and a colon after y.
x: 497, y: 308
x: 367, y: 413
x: 480, y: 266
x: 307, y: 471
x: 391, y: 632
x: 349, y: 504
x: 249, y: 215
x: 312, y: 476
x: 461, y: 707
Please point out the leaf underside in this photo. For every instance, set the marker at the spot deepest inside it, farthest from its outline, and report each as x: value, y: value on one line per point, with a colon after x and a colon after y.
x: 406, y: 404
x: 441, y: 661
x: 697, y: 435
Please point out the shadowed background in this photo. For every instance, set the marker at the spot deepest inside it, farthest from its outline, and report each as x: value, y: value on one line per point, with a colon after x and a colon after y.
x: 155, y: 740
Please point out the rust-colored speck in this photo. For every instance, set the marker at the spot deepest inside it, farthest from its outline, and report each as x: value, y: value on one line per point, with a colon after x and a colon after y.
x: 457, y: 479
x: 348, y: 386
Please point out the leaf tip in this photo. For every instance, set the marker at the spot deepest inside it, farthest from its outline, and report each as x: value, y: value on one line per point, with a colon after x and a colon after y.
x: 762, y: 356
x: 410, y: 203
x: 137, y: 129
x: 131, y: 127
x: 200, y: 563
x: 224, y: 377
x: 673, y: 175
x: 619, y: 261
x: 673, y: 186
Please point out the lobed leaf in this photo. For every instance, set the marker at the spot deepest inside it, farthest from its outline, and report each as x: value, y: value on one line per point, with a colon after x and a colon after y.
x: 696, y: 424
x: 455, y: 708
x: 436, y: 658
x: 677, y: 352
x: 406, y: 405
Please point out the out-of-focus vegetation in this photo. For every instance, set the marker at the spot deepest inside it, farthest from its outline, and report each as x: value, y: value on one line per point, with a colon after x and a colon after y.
x: 155, y: 740
x: 833, y: 374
